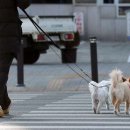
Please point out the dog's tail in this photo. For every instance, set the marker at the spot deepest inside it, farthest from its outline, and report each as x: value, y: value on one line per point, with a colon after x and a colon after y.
x: 116, y: 77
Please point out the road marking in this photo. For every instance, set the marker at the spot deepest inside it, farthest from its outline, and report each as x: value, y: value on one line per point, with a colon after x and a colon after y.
x: 44, y: 112
x: 63, y: 127
x: 67, y: 122
x: 110, y: 117
x: 60, y: 108
x: 64, y: 115
x: 19, y: 100
x: 23, y: 96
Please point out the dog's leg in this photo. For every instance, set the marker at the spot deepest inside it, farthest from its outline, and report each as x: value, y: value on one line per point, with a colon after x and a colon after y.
x: 127, y: 108
x: 113, y: 100
x: 94, y: 107
x: 117, y: 104
x: 99, y: 107
x: 119, y: 108
x: 107, y: 104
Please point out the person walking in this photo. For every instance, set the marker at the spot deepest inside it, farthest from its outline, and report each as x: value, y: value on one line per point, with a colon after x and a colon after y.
x: 10, y: 42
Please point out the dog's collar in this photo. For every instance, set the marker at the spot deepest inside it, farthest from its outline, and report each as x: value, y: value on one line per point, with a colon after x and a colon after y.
x: 101, y: 86
x: 105, y: 86
x: 94, y: 85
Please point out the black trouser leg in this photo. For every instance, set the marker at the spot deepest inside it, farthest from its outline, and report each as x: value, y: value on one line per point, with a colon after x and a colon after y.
x: 5, y: 63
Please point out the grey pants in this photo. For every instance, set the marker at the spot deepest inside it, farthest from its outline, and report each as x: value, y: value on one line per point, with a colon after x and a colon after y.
x: 5, y: 63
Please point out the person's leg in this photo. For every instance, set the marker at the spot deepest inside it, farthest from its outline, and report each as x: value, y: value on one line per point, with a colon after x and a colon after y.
x: 5, y: 63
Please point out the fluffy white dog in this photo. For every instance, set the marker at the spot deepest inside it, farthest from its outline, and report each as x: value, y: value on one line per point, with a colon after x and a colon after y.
x: 119, y: 90
x: 99, y: 94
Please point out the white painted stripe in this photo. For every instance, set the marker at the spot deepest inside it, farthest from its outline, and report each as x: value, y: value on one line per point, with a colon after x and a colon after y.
x: 63, y: 108
x: 73, y: 118
x: 70, y: 107
x: 60, y: 112
x: 16, y: 98
x: 56, y: 115
x: 85, y: 102
x: 19, y: 100
x: 71, y: 110
x: 23, y: 96
x: 86, y: 97
x: 74, y: 105
x: 75, y: 99
x: 67, y: 122
x: 74, y: 108
x: 80, y: 96
x: 64, y: 127
x: 78, y: 104
x: 67, y: 105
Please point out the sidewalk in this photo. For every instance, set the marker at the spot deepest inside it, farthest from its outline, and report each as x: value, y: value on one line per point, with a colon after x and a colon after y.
x: 49, y: 74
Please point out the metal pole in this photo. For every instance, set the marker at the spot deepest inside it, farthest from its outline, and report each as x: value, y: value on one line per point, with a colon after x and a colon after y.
x: 20, y: 68
x: 94, y: 65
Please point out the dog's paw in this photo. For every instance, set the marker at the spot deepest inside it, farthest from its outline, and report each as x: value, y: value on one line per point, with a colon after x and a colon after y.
x: 108, y: 108
x: 116, y: 113
x: 98, y: 112
x: 127, y: 113
x: 94, y: 110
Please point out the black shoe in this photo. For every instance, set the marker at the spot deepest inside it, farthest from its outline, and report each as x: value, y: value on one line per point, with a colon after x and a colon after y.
x: 6, y: 106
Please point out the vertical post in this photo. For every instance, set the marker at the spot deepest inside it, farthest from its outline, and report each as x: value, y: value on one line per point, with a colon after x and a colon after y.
x: 94, y: 66
x: 20, y: 66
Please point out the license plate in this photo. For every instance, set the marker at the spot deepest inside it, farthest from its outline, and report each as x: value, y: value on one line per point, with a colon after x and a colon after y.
x: 54, y: 38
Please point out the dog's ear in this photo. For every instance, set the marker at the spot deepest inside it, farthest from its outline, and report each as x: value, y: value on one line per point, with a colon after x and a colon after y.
x: 124, y: 79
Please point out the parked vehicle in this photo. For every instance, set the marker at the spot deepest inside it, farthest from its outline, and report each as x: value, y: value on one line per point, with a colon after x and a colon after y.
x: 61, y: 29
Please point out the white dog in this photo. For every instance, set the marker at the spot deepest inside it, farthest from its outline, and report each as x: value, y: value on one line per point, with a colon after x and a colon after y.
x: 99, y: 94
x: 119, y: 90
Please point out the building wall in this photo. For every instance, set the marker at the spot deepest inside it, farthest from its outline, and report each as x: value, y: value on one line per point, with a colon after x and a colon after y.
x: 100, y: 21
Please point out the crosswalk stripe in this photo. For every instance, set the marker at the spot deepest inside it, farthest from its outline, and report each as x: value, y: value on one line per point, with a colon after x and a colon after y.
x: 63, y: 108
x: 19, y: 100
x: 65, y: 112
x: 78, y: 99
x: 68, y: 122
x: 64, y: 127
x: 72, y: 118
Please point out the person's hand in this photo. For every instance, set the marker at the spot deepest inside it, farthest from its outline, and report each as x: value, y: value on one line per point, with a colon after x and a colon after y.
x: 23, y: 4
